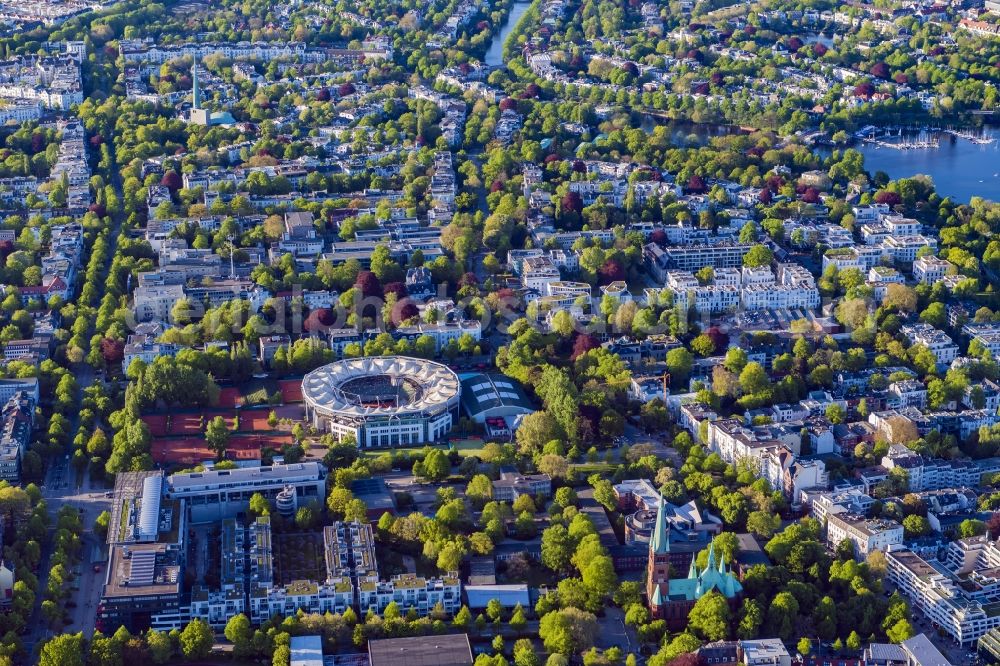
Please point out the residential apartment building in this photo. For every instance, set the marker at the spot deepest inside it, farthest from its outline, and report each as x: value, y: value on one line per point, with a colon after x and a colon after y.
x: 17, y: 418
x: 154, y: 303
x: 932, y: 591
x: 443, y: 333
x: 929, y: 269
x: 938, y: 342
x: 866, y: 535
x: 512, y: 485
x: 932, y: 473
x: 412, y: 591
x: 538, y: 272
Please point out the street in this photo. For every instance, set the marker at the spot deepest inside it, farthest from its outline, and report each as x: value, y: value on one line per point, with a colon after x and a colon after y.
x: 60, y: 489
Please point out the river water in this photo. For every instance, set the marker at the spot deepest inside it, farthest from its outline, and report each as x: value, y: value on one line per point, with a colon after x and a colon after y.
x: 494, y: 55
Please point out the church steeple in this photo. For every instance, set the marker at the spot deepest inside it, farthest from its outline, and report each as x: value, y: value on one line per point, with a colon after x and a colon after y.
x: 658, y: 567
x: 195, y: 92
x: 660, y: 543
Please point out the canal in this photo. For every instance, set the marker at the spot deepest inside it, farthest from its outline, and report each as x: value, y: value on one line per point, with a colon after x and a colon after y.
x: 494, y: 55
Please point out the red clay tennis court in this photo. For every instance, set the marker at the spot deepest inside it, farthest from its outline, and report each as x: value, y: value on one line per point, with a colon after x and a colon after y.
x: 291, y: 390
x: 192, y: 450
x: 192, y: 423
x: 254, y: 420
x: 230, y: 398
x: 157, y: 424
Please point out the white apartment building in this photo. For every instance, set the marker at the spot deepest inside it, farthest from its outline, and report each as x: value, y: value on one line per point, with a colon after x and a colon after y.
x: 778, y: 296
x: 760, y: 275
x: 308, y: 595
x: 411, y: 591
x: 734, y: 441
x: 990, y: 340
x: 694, y: 257
x: 861, y: 257
x: 443, y: 333
x: 538, y: 272
x: 792, y: 476
x: 929, y: 269
x: 903, y: 249
x: 932, y: 473
x: 617, y: 290
x: 763, y: 652
x: 146, y: 350
x: 938, y: 342
x: 866, y: 535
x: 567, y: 288
x: 20, y: 111
x: 909, y: 393
x: 153, y: 303
x: 933, y: 593
x: 852, y: 500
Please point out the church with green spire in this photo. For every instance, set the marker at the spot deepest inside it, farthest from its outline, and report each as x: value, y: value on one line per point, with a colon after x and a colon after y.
x: 198, y: 115
x: 671, y: 599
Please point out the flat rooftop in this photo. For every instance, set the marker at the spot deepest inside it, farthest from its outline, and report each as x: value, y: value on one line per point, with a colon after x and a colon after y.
x: 446, y: 650
x: 231, y: 477
x: 142, y: 569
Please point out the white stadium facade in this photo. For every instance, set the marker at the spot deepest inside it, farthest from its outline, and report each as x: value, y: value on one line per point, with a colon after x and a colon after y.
x: 383, y: 401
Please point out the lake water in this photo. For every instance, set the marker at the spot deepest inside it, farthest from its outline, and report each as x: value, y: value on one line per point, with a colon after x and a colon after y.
x: 494, y: 55
x: 959, y: 168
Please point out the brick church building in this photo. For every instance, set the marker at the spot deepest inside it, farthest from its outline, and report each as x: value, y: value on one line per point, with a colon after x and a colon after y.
x: 671, y: 599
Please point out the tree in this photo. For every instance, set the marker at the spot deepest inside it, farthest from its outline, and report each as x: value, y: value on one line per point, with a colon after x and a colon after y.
x: 63, y: 650
x: 710, y: 616
x: 524, y: 653
x: 900, y: 631
x: 536, y: 430
x: 679, y: 362
x: 557, y: 548
x: 916, y: 526
x: 599, y: 576
x: 517, y: 620
x: 854, y: 641
x: 480, y: 490
x: 197, y: 639
x: 240, y: 634
x: 751, y: 619
x: 567, y: 631
x: 804, y: 646
x: 900, y: 297
x: 217, y: 436
x: 436, y: 466
x: 971, y: 527
x: 782, y: 615
x: 763, y: 524
x: 554, y: 465
x: 753, y: 378
x: 758, y: 256
x: 703, y: 345
x: 160, y: 646
x: 259, y: 505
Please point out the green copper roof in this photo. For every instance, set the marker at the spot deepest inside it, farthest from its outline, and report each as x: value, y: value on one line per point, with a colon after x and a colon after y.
x: 660, y: 543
